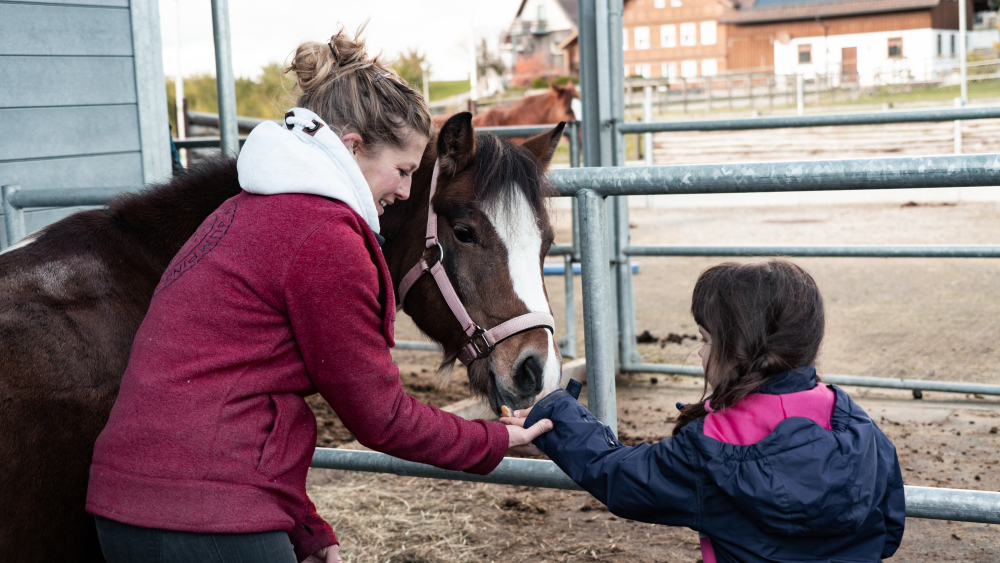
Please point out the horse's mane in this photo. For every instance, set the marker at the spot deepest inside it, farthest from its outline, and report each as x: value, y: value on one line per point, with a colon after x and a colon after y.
x: 502, y: 167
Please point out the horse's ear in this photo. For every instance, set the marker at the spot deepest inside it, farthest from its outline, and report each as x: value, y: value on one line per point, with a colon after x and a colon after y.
x: 555, y: 89
x: 543, y: 146
x: 456, y: 143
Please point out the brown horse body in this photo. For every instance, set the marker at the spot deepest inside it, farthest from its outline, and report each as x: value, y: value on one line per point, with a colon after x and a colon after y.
x: 75, y: 293
x: 554, y: 106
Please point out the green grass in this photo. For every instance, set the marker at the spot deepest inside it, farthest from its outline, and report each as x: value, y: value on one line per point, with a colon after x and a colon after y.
x: 444, y: 88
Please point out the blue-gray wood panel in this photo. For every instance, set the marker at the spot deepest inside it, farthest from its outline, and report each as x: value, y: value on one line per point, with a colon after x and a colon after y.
x: 114, y: 3
x: 69, y: 131
x: 66, y: 81
x: 103, y: 171
x: 32, y: 29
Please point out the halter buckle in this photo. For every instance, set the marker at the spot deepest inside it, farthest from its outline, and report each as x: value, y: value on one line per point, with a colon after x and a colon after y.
x: 477, y: 338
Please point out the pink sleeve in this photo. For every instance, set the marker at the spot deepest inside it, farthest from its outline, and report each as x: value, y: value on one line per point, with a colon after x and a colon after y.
x: 332, y: 298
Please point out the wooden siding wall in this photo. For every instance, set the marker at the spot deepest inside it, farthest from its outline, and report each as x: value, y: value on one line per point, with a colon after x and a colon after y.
x: 77, y: 109
x: 642, y: 13
x: 945, y: 15
x: 752, y: 46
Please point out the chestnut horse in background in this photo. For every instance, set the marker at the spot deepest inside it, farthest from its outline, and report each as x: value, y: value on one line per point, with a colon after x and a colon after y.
x: 73, y: 294
x: 558, y: 104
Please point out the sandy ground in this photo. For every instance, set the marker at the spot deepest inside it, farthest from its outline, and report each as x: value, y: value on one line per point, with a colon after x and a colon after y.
x: 923, y: 318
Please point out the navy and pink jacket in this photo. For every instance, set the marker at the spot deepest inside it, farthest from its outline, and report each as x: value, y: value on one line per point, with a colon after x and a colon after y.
x: 796, y: 472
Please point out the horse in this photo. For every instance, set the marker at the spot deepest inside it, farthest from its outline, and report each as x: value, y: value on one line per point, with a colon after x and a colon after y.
x: 556, y: 105
x: 75, y: 292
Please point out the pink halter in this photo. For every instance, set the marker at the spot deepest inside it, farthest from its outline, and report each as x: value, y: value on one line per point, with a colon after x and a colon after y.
x: 481, y: 341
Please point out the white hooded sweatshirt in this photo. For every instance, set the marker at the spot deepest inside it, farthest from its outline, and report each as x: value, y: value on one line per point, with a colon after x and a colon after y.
x: 293, y: 160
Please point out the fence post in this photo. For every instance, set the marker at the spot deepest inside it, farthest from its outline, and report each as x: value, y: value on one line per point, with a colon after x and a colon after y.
x: 729, y: 91
x: 708, y: 95
x: 963, y: 49
x: 800, y: 93
x: 770, y: 91
x: 958, y: 128
x: 684, y: 94
x: 598, y: 322
x: 225, y: 81
x: 567, y: 345
x: 13, y: 216
x: 647, y: 117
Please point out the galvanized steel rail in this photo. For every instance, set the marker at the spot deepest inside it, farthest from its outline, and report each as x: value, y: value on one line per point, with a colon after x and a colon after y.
x: 794, y: 176
x: 921, y: 502
x: 836, y: 119
x: 854, y: 380
x: 827, y: 251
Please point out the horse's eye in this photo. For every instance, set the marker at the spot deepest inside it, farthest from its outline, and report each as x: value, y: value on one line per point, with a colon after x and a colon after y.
x: 464, y: 234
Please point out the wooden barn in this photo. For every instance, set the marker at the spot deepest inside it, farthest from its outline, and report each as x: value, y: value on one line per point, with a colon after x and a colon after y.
x: 866, y: 41
x: 82, y: 97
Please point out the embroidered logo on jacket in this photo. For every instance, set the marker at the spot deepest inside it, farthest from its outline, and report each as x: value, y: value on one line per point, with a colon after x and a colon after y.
x: 203, y: 241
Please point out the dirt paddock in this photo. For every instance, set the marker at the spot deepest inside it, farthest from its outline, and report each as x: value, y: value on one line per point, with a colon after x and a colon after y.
x: 922, y: 318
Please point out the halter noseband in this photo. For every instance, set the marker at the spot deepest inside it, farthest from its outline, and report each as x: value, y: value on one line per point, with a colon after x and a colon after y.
x: 481, y: 341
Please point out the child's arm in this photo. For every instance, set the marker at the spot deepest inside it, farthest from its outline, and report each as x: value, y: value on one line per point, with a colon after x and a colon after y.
x: 648, y: 483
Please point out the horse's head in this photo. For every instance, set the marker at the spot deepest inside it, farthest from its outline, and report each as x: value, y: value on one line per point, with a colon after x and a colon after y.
x: 494, y: 231
x: 565, y: 105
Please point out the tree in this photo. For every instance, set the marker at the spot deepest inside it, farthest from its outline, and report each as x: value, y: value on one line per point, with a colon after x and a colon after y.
x: 486, y: 60
x: 409, y: 66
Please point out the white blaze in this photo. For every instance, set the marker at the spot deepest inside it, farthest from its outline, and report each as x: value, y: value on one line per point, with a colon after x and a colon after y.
x: 518, y: 229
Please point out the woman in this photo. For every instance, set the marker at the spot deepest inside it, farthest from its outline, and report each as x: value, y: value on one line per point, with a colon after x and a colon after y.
x: 281, y: 293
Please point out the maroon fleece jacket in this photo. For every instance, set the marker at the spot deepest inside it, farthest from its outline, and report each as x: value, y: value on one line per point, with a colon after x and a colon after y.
x: 273, y: 299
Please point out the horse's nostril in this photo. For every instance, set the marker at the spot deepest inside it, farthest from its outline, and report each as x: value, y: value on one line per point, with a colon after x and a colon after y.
x: 528, y: 377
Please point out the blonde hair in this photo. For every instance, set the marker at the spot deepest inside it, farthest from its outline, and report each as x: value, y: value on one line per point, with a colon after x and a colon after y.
x: 356, y: 93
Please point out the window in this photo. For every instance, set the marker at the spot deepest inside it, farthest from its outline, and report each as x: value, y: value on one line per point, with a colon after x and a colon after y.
x: 625, y: 39
x: 668, y: 35
x: 626, y: 71
x: 688, y: 34
x: 940, y: 47
x: 641, y: 35
x: 895, y: 47
x: 645, y: 71
x: 659, y: 4
x: 708, y: 33
x: 675, y: 3
x: 952, y: 45
x: 709, y: 67
x: 668, y: 70
x: 805, y: 54
x: 689, y: 69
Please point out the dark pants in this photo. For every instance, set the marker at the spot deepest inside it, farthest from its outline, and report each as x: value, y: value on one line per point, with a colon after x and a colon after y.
x: 122, y: 543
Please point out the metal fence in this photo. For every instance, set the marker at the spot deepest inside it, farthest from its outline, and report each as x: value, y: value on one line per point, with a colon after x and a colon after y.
x: 902, y: 82
x: 602, y: 227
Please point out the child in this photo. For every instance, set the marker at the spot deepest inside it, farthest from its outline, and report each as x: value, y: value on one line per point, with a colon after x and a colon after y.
x: 772, y: 466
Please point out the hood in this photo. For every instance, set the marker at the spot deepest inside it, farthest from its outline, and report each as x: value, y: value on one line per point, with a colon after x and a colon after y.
x: 304, y: 157
x: 802, y: 479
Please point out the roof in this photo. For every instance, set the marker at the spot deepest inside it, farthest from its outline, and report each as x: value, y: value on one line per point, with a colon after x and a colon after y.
x: 568, y: 7
x: 761, y: 11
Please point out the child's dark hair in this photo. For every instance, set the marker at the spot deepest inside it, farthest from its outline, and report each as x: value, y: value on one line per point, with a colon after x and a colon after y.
x: 763, y: 318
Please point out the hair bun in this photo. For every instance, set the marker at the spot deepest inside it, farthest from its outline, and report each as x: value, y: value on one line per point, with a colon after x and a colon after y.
x: 315, y: 63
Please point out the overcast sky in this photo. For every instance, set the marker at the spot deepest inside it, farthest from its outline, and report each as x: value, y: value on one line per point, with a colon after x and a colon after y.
x: 269, y: 30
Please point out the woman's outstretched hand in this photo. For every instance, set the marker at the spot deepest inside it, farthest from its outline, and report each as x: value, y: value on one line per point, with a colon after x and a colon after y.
x: 329, y: 554
x: 520, y: 438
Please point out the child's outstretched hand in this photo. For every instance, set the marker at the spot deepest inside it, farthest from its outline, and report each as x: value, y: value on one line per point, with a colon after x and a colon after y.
x: 520, y: 437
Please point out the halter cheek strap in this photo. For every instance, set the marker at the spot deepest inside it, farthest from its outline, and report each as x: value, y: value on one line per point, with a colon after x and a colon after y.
x: 481, y: 341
